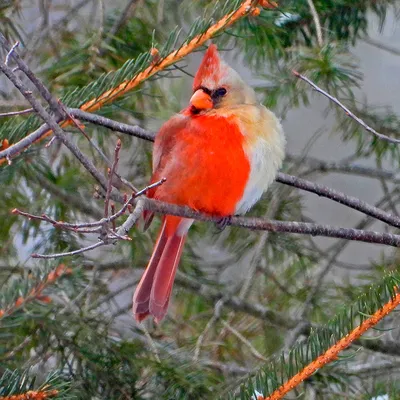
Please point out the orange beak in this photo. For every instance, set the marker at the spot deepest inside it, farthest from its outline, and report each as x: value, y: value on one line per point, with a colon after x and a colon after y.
x: 201, y: 100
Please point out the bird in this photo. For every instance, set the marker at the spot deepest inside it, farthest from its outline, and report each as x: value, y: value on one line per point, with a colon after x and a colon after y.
x: 217, y: 156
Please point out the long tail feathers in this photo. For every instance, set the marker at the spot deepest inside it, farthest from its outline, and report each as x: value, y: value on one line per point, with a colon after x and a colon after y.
x: 154, y: 289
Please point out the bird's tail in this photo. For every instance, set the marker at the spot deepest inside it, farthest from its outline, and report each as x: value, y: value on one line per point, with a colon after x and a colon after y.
x: 154, y: 289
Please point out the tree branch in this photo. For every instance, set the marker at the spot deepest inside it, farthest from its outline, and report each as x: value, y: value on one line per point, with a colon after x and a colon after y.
x: 332, y: 353
x: 36, y: 292
x: 346, y: 110
x: 303, y: 184
x: 350, y: 201
x: 53, y: 125
x: 317, y: 22
x: 257, y: 224
x: 13, y: 113
x: 261, y: 224
x: 344, y: 167
x: 246, y: 7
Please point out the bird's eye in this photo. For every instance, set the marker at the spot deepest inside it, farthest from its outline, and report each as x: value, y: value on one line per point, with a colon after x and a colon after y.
x: 220, y: 92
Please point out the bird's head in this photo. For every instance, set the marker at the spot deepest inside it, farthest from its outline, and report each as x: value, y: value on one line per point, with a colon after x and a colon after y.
x: 217, y: 85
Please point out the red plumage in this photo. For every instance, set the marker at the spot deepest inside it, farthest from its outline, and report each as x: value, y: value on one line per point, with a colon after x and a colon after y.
x: 203, y: 152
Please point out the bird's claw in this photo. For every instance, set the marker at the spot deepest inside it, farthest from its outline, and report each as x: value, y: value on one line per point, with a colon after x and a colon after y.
x: 222, y: 223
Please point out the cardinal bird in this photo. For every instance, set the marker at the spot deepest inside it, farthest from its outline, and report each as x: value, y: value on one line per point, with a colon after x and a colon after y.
x: 218, y: 156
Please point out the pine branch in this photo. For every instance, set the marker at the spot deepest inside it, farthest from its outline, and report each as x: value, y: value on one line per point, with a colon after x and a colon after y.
x: 114, y: 85
x: 324, y: 343
x: 36, y: 293
x: 15, y: 385
x: 33, y: 395
x: 332, y: 353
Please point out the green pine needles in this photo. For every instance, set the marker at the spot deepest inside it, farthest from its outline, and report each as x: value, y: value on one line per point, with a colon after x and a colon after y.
x: 14, y: 383
x: 320, y: 339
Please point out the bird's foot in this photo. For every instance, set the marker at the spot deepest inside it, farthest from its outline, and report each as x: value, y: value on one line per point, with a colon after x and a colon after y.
x: 222, y: 223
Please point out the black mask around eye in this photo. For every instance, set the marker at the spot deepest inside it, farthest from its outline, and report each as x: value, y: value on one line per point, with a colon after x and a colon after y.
x: 218, y: 93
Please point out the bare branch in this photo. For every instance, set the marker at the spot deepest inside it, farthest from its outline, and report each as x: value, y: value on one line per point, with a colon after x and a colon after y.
x: 304, y: 228
x: 13, y: 113
x: 44, y: 92
x: 41, y: 132
x: 119, y: 23
x: 132, y: 219
x: 317, y: 22
x: 69, y: 253
x: 318, y: 189
x: 10, y: 51
x: 251, y: 348
x: 112, y: 171
x: 53, y: 125
x: 80, y: 227
x: 346, y: 110
x: 350, y: 201
x: 345, y: 167
x: 113, y: 125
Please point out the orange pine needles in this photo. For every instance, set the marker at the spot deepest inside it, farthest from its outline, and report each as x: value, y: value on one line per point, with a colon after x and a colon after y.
x: 32, y: 395
x: 332, y: 353
x: 248, y: 7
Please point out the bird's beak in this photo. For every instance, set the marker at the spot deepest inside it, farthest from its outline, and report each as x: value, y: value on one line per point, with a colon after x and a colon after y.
x: 201, y: 100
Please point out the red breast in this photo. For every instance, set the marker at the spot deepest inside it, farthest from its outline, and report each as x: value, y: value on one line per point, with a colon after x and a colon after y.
x: 204, y: 162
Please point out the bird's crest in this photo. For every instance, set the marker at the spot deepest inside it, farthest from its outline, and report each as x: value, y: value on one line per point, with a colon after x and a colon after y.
x: 210, y: 69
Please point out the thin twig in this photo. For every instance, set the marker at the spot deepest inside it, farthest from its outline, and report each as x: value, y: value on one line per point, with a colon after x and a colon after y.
x: 111, y: 124
x: 132, y: 219
x: 107, y: 239
x: 20, y: 112
x: 252, y: 349
x: 72, y: 118
x: 125, y: 14
x: 345, y: 167
x: 11, y: 51
x: 346, y: 110
x: 41, y: 132
x: 44, y: 92
x: 216, y: 315
x: 381, y: 45
x: 350, y: 201
x: 69, y: 253
x: 151, y: 342
x: 79, y: 227
x: 52, y: 123
x: 317, y: 22
x: 110, y: 177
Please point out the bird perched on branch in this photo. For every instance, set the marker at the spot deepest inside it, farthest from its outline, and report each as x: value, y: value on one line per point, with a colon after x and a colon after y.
x: 218, y: 156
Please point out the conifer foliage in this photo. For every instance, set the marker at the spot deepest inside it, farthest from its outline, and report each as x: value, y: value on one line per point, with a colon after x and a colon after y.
x: 83, y: 87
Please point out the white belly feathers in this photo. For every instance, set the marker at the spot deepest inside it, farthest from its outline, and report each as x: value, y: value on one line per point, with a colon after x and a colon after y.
x: 265, y: 150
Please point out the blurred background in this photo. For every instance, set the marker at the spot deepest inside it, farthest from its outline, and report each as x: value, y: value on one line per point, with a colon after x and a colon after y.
x: 208, y: 344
